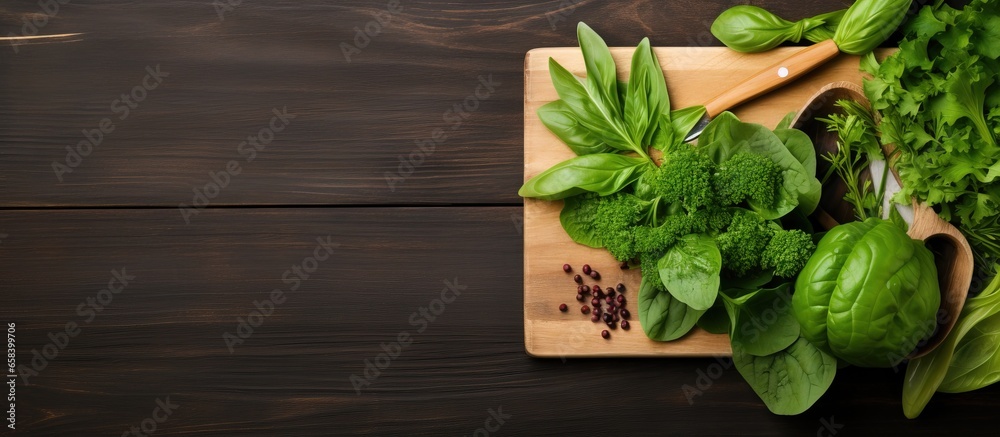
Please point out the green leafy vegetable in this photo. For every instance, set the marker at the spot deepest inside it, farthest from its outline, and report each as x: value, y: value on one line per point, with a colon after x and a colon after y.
x: 789, y: 381
x: 750, y: 29
x: 938, y: 97
x: 561, y: 121
x: 868, y: 23
x: 663, y: 317
x: 726, y: 136
x: 601, y: 173
x: 967, y: 360
x: 646, y: 96
x: 869, y: 294
x: 577, y: 219
x: 690, y: 271
x: 762, y: 322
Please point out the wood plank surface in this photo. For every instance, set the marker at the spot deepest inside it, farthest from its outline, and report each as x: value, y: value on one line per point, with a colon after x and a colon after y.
x: 162, y: 337
x: 694, y: 76
x: 354, y: 120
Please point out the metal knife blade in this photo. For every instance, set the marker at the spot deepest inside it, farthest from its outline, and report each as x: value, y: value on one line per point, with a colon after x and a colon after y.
x: 698, y: 128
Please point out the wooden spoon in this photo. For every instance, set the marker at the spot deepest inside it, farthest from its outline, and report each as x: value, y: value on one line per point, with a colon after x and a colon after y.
x: 954, y: 259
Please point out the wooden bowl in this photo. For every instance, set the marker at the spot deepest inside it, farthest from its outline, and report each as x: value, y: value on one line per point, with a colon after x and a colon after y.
x: 953, y: 255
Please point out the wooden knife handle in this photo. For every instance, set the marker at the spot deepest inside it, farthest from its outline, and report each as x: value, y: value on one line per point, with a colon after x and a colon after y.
x: 774, y: 76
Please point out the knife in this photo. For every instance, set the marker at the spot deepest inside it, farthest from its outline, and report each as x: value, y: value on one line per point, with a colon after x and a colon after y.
x: 775, y: 76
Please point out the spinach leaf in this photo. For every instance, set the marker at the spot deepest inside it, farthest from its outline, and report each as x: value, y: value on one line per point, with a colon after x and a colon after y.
x: 561, y: 121
x: 664, y: 318
x: 602, y: 173
x: 801, y: 147
x: 690, y: 270
x: 751, y: 282
x: 762, y: 322
x: 789, y: 381
x: 683, y: 120
x: 715, y: 319
x: 576, y: 217
x: 726, y: 136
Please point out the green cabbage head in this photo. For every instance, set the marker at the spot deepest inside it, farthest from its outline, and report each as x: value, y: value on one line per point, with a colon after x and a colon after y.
x: 869, y: 294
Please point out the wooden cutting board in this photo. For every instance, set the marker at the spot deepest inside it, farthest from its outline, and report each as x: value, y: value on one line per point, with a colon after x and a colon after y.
x: 694, y: 75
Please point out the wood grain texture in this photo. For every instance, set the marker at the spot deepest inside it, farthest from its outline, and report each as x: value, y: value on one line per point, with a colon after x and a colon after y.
x: 162, y: 337
x: 354, y: 119
x: 694, y: 76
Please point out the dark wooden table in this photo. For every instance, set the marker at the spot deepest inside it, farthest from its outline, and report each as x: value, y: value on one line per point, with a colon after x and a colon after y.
x: 358, y: 244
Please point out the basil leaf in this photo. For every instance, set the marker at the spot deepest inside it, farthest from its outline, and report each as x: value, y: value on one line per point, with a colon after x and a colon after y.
x: 662, y: 317
x: 602, y: 75
x: 867, y: 23
x: 646, y: 102
x: 601, y: 173
x: 576, y: 217
x: 590, y: 109
x: 683, y: 120
x: 751, y: 29
x: 790, y: 381
x: 825, y: 26
x: 762, y: 322
x: 561, y: 121
x: 690, y: 270
x: 726, y: 136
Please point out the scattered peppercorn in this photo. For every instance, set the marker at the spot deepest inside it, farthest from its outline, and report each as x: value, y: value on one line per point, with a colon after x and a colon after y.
x: 615, y: 314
